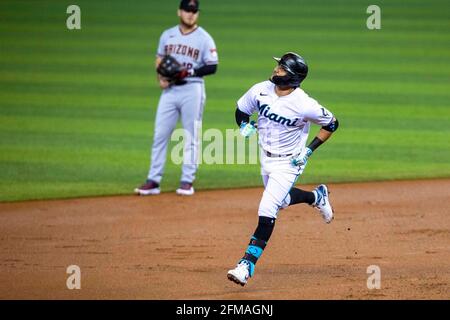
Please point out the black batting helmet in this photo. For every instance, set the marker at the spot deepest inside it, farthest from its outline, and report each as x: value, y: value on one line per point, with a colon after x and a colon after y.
x: 296, y: 69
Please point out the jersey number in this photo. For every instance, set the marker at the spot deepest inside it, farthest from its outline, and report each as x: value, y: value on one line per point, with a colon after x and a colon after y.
x: 187, y: 65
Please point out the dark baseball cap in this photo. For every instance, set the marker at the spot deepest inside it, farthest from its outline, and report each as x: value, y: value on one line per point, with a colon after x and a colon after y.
x: 189, y: 5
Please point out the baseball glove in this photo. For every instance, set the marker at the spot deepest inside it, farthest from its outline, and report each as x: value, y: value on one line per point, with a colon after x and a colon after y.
x: 171, y: 69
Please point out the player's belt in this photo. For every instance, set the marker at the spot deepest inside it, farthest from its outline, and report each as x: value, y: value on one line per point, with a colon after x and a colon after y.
x: 273, y: 155
x: 180, y: 82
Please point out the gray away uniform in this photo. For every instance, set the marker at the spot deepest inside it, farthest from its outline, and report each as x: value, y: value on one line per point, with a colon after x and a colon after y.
x: 194, y: 50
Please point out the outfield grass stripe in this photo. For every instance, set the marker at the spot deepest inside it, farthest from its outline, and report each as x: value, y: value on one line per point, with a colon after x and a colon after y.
x: 136, y: 57
x: 365, y: 130
x: 54, y: 25
x: 324, y: 95
x: 357, y: 24
x: 418, y: 112
x: 129, y: 38
x: 321, y: 61
x: 330, y: 72
x: 98, y: 79
x: 397, y: 50
x: 40, y: 35
x: 116, y: 101
x: 140, y: 87
x: 322, y: 68
x: 61, y: 93
x: 70, y: 125
x: 145, y: 91
x: 108, y: 107
x: 349, y: 111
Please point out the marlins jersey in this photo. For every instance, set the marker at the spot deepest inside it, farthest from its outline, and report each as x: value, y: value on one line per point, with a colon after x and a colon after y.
x: 283, y: 122
x: 194, y: 50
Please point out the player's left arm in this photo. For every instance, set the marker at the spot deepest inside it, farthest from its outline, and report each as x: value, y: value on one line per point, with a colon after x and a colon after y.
x: 321, y: 116
x: 318, y: 114
x: 210, y: 59
x: 324, y: 134
x: 205, y: 70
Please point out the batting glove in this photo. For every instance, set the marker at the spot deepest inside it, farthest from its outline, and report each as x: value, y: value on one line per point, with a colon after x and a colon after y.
x: 302, y: 158
x: 247, y: 129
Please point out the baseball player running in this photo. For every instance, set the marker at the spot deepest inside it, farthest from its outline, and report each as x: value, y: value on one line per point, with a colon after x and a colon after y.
x: 186, y: 53
x: 285, y: 113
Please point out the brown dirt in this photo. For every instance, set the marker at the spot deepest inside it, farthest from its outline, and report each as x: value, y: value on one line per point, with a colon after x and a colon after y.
x: 171, y: 247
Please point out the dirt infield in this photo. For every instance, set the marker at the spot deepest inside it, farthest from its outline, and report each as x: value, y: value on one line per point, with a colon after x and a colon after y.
x: 171, y: 247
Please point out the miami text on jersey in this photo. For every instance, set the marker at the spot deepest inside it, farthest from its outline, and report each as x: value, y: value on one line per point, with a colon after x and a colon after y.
x: 264, y: 111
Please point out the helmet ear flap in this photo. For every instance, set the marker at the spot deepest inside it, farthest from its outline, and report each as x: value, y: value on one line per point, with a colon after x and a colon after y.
x: 286, y: 81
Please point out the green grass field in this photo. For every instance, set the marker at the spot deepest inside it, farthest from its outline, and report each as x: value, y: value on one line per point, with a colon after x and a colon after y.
x: 77, y: 107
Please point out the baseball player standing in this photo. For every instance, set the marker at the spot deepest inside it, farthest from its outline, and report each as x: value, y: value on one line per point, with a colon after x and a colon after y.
x: 285, y: 113
x: 183, y: 95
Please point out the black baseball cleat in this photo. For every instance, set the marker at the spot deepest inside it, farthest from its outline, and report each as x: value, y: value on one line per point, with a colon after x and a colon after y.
x: 185, y: 189
x: 150, y: 187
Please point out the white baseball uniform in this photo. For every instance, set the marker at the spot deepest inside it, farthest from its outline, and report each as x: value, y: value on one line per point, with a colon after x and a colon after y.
x: 283, y: 127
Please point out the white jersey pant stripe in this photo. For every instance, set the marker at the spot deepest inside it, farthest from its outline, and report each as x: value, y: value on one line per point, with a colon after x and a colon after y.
x: 279, y: 176
x: 188, y: 102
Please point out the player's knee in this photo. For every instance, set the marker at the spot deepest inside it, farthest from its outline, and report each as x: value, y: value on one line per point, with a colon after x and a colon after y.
x: 268, y: 207
x: 286, y: 202
x: 161, y: 136
x: 268, y: 213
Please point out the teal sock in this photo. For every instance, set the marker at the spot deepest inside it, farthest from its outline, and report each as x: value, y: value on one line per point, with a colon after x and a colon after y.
x: 254, y: 251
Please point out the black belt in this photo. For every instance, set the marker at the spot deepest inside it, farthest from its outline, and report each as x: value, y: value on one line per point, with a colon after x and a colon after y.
x: 180, y: 82
x: 272, y: 155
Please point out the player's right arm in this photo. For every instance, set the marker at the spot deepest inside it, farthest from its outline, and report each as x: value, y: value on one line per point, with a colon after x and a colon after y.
x: 246, y: 106
x: 160, y: 52
x: 163, y: 83
x: 241, y: 117
x: 246, y: 127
